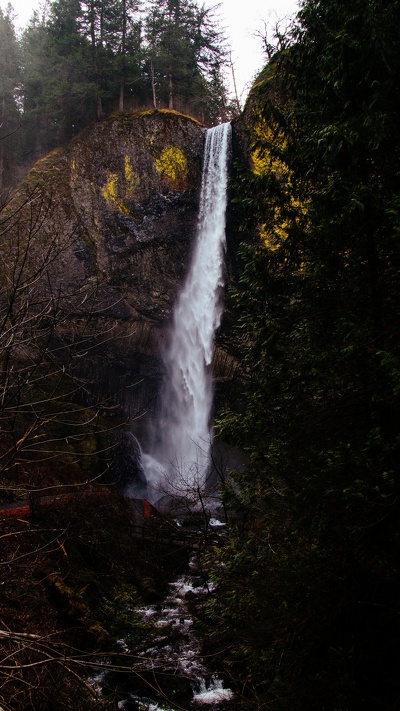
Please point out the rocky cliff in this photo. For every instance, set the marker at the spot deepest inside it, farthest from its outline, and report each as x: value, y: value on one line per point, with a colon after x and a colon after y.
x: 119, y: 210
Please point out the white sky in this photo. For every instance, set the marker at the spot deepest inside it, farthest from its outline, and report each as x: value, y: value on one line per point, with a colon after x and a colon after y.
x: 240, y: 18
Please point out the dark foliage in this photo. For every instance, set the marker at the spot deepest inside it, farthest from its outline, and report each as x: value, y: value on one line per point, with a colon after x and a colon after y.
x: 307, y: 602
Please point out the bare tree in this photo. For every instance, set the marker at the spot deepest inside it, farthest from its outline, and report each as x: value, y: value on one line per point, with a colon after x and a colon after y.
x: 46, y: 330
x: 275, y: 39
x: 51, y: 431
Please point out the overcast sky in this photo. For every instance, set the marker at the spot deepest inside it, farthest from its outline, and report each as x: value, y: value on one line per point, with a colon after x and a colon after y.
x: 241, y: 20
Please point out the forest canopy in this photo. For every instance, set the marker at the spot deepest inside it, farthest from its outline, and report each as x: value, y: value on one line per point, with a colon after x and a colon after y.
x: 80, y: 61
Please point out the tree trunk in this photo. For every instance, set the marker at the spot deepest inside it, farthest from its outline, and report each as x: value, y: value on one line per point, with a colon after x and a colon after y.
x: 153, y: 84
x: 171, y: 98
x: 3, y: 113
x: 99, y: 103
x: 123, y: 67
x: 100, y: 111
x: 121, y: 93
x: 236, y: 99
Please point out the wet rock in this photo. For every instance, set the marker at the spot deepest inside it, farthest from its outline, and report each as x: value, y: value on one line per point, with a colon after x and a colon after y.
x: 126, y: 469
x: 119, y: 205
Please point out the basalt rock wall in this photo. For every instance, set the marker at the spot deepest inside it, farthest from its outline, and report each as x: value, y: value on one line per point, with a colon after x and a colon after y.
x: 119, y: 208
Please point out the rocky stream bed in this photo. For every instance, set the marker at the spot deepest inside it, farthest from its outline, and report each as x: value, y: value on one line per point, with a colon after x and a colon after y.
x: 171, y: 673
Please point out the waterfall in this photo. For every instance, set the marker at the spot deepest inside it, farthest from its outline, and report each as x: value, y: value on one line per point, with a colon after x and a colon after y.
x: 180, y: 458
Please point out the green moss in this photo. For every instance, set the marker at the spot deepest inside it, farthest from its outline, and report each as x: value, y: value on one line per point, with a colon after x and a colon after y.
x: 49, y: 173
x: 72, y: 605
x: 137, y: 114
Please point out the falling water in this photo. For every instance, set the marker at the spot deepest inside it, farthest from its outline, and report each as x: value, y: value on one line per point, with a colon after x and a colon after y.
x: 181, y: 457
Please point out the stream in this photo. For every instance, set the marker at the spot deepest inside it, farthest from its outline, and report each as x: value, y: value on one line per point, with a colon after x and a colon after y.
x: 170, y: 673
x: 172, y: 664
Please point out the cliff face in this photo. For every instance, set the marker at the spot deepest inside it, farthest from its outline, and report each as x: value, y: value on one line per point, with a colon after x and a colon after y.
x: 119, y: 209
x: 134, y: 186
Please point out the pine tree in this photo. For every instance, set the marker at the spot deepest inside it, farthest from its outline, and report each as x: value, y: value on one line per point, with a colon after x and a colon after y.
x: 88, y: 58
x: 185, y: 53
x: 58, y: 91
x: 9, y: 96
x: 128, y: 47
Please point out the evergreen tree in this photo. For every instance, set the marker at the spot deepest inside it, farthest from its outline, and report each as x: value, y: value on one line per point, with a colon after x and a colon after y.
x: 185, y: 52
x: 87, y: 58
x: 9, y: 97
x: 128, y: 49
x: 97, y: 23
x: 314, y: 569
x: 58, y: 89
x: 77, y: 64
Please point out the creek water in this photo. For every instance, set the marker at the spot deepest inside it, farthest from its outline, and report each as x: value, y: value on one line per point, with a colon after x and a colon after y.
x: 174, y: 656
x: 179, y: 457
x: 169, y: 673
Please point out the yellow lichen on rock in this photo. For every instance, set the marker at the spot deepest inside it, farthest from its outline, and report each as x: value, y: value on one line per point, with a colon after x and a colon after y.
x: 172, y: 165
x: 110, y: 193
x: 132, y: 179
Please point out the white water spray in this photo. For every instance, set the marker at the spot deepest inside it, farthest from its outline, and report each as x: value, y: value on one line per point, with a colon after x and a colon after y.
x: 181, y: 457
